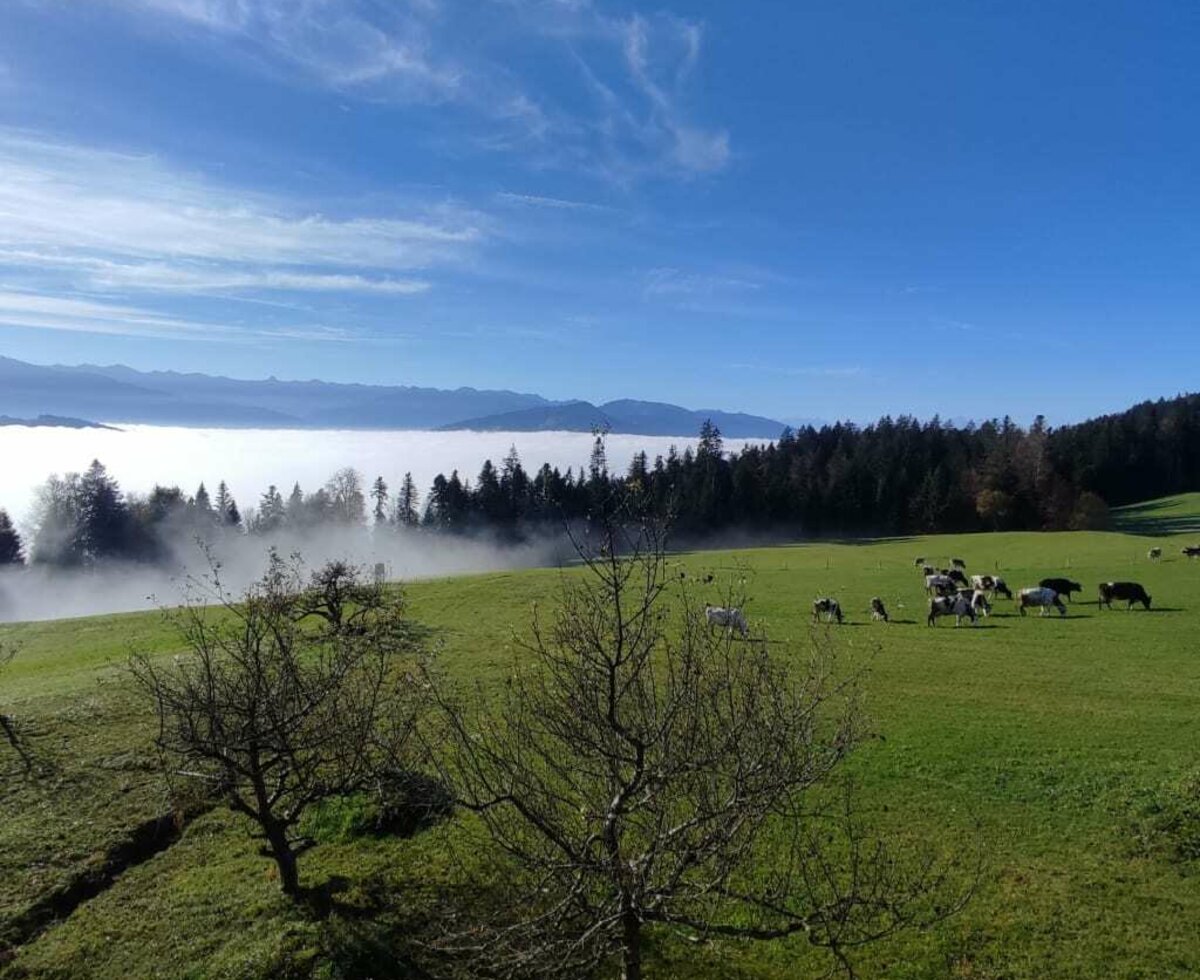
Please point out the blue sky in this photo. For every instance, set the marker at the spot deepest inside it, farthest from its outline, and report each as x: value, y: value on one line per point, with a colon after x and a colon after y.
x: 829, y: 209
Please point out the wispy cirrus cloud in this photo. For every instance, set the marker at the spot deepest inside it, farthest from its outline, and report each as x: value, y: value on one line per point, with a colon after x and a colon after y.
x: 673, y: 283
x: 115, y: 222
x: 75, y: 315
x: 628, y: 113
x: 552, y: 203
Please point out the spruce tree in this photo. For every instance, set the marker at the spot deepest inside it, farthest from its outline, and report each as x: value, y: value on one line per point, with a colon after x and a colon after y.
x: 407, y: 503
x: 11, y: 550
x: 379, y: 494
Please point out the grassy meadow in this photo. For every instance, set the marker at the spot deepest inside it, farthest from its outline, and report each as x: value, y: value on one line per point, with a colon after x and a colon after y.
x: 1066, y: 749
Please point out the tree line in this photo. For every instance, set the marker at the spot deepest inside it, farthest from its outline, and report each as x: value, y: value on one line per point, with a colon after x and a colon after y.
x: 895, y: 476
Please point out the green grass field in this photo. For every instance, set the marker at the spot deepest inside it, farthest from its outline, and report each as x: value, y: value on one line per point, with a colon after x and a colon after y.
x: 1063, y: 746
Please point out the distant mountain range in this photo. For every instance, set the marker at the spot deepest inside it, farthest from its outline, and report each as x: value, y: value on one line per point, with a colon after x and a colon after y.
x: 115, y: 393
x: 52, y: 422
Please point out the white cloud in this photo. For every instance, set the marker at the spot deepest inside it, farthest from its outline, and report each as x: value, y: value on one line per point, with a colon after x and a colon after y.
x: 55, y: 195
x: 40, y: 312
x: 553, y: 203
x: 674, y: 283
x: 629, y: 120
x: 101, y: 221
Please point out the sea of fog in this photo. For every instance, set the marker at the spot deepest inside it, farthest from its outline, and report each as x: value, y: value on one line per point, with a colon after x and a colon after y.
x: 249, y: 460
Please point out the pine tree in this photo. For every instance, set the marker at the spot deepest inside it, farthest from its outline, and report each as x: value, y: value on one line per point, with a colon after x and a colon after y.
x: 103, y: 522
x: 11, y: 550
x: 407, y: 503
x: 226, y: 509
x: 272, y: 513
x: 379, y: 494
x: 295, y: 507
x: 202, y: 505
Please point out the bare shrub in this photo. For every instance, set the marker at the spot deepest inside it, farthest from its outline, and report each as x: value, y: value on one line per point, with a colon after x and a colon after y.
x: 640, y: 770
x: 292, y: 693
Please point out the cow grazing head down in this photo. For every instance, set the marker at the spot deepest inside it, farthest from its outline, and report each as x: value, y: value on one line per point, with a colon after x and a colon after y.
x: 878, y: 610
x: 831, y: 609
x: 1127, y: 592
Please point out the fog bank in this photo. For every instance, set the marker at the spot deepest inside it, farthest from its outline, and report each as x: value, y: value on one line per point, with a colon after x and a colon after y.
x: 249, y: 460
x: 44, y: 592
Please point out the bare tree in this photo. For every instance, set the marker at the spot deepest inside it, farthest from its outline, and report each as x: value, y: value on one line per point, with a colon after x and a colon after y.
x: 288, y: 695
x: 641, y: 770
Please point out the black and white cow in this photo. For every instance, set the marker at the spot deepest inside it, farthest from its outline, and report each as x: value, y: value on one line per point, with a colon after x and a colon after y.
x: 991, y: 583
x: 1063, y: 586
x: 878, y: 609
x: 941, y: 585
x: 1191, y: 551
x: 729, y: 618
x: 956, y: 575
x: 1042, y: 598
x: 957, y: 605
x: 831, y: 609
x: 1154, y: 554
x: 979, y: 601
x: 958, y: 563
x: 918, y: 562
x: 1130, y: 592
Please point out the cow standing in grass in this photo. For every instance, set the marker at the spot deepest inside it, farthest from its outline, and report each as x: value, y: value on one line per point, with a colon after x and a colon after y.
x: 978, y: 599
x: 957, y: 605
x: 1063, y: 586
x: 878, y: 609
x: 831, y: 609
x: 727, y: 618
x: 942, y: 585
x: 1042, y: 598
x: 1154, y: 554
x: 1130, y: 592
x: 1191, y: 551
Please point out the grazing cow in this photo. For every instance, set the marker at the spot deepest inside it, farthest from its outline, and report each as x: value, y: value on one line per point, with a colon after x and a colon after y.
x: 991, y: 583
x: 1131, y: 592
x: 878, y: 610
x: 928, y: 570
x: 979, y: 601
x: 918, y: 562
x: 1191, y: 551
x: 956, y: 576
x: 1154, y: 554
x: 956, y: 605
x: 1063, y: 586
x: 1041, y: 597
x: 958, y: 563
x: 831, y: 609
x: 729, y: 618
x: 940, y: 584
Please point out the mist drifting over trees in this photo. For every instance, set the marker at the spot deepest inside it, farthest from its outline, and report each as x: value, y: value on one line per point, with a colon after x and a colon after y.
x: 896, y: 476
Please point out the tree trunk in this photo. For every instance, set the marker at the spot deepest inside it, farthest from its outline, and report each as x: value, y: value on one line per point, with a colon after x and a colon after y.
x: 285, y: 860
x: 631, y: 946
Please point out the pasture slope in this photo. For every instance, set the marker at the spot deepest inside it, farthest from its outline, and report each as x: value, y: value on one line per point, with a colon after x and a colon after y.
x: 1066, y: 747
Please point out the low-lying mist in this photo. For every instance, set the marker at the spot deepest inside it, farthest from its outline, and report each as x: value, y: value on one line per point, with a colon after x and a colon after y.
x: 39, y: 592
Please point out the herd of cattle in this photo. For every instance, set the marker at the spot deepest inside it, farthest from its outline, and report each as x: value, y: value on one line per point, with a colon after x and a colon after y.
x: 952, y: 593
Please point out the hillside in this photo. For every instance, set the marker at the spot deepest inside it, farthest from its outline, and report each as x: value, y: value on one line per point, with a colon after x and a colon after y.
x: 627, y: 415
x: 1167, y: 515
x: 1059, y: 748
x: 115, y: 393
